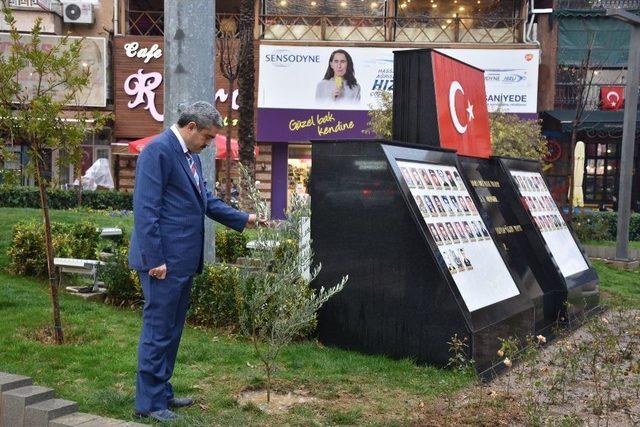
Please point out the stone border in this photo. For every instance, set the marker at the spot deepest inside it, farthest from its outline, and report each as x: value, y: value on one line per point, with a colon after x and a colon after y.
x: 23, y: 404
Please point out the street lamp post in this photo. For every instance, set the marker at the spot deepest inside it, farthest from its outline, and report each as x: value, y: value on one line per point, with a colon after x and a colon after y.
x: 189, y: 44
x: 628, y: 131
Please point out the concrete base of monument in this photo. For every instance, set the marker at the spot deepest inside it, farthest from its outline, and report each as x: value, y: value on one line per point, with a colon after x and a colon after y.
x: 80, y: 291
x: 623, y: 265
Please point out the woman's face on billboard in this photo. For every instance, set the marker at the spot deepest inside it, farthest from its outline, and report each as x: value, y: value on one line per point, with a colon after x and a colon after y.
x: 339, y: 64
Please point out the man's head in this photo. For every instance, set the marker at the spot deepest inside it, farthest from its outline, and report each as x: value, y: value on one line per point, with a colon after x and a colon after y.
x: 197, y: 124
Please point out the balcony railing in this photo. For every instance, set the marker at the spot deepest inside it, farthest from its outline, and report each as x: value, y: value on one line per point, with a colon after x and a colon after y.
x: 596, y: 4
x: 24, y: 4
x: 355, y: 28
x: 567, y: 94
x: 380, y: 29
x: 145, y: 23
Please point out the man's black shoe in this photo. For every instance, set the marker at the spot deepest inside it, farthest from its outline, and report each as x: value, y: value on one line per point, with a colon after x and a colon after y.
x: 161, y: 415
x: 180, y: 402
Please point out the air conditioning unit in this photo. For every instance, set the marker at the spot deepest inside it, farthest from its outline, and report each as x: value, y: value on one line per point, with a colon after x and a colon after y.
x: 77, y: 12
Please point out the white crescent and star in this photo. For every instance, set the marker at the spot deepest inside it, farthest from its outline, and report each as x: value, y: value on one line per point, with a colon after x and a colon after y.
x: 453, y: 89
x: 615, y: 95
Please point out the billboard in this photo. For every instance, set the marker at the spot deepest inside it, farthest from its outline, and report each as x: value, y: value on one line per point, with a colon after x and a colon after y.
x: 299, y: 97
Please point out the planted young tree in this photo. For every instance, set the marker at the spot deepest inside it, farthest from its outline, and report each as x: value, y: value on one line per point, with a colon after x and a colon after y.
x: 33, y: 114
x: 510, y: 135
x: 229, y: 50
x: 277, y: 302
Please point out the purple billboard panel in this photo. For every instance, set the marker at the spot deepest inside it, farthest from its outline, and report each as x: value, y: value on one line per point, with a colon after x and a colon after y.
x: 284, y: 125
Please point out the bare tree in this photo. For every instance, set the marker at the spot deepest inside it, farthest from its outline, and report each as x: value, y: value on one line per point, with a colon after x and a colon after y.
x: 584, y: 79
x: 229, y: 50
x: 584, y: 75
x: 246, y: 87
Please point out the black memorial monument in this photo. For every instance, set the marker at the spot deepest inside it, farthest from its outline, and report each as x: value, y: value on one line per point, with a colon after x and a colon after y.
x: 440, y: 243
x: 423, y: 265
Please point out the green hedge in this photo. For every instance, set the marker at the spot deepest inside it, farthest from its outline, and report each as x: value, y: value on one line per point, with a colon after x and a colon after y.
x: 214, y: 296
x: 29, y: 197
x: 230, y: 245
x: 123, y: 285
x: 27, y: 253
x: 603, y: 226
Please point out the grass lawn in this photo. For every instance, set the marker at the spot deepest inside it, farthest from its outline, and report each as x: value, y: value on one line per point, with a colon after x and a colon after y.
x: 632, y: 244
x: 619, y: 287
x: 96, y: 367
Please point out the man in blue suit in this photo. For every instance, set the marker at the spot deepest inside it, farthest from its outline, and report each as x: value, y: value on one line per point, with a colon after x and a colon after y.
x: 170, y: 201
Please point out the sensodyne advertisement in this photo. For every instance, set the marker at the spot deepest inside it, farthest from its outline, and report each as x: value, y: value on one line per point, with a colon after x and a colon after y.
x: 463, y: 240
x: 323, y: 92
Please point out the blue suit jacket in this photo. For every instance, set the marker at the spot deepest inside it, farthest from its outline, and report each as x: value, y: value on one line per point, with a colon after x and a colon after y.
x: 169, y: 211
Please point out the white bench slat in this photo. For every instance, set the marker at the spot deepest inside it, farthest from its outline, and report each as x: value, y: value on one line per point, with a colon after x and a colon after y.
x: 78, y: 263
x: 110, y: 231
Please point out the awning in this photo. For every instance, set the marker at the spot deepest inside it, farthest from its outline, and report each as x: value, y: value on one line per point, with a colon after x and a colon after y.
x: 136, y: 147
x: 609, y: 40
x: 560, y: 120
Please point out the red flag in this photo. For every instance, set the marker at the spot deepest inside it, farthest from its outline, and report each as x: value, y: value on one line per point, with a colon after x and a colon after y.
x: 461, y: 101
x: 612, y: 97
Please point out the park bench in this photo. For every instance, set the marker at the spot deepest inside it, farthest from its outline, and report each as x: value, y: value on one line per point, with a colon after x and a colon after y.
x: 87, y: 267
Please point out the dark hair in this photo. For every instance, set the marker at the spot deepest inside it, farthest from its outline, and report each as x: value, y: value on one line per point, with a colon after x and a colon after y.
x: 349, y: 76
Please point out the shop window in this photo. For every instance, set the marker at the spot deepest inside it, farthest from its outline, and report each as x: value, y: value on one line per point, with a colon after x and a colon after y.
x: 461, y: 8
x: 299, y: 168
x: 601, y: 172
x: 470, y: 21
x: 326, y: 7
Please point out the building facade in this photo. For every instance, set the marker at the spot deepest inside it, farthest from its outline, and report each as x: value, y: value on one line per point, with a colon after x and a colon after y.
x: 94, y: 22
x: 293, y: 44
x: 581, y: 44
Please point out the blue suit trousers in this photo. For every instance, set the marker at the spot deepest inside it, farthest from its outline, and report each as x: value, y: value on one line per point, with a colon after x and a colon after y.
x: 163, y: 317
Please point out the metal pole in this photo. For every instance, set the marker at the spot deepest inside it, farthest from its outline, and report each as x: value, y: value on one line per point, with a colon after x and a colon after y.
x: 189, y: 51
x: 628, y: 142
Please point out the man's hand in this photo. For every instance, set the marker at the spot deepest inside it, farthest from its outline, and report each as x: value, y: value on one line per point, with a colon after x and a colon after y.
x: 159, y: 272
x: 254, y: 220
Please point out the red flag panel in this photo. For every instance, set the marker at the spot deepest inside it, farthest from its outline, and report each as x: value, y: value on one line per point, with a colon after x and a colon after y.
x: 461, y: 103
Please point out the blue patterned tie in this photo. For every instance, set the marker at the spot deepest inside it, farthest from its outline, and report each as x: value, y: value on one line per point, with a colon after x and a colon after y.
x: 194, y: 171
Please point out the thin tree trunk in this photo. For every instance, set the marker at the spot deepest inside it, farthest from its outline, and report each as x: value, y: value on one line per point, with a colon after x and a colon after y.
x: 268, y: 384
x: 53, y: 280
x: 228, y: 156
x: 246, y: 87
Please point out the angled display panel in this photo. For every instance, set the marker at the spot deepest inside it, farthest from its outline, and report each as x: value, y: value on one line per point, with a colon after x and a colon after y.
x: 454, y: 222
x: 556, y: 246
x: 547, y: 218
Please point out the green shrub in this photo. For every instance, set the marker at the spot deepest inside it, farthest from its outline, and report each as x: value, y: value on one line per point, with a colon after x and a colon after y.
x: 214, y: 297
x: 123, y: 285
x: 603, y: 226
x: 28, y: 197
x: 230, y: 245
x: 591, y: 227
x: 27, y: 253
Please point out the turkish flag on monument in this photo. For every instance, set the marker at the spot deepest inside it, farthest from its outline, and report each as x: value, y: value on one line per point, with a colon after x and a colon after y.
x: 461, y: 102
x: 612, y: 97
